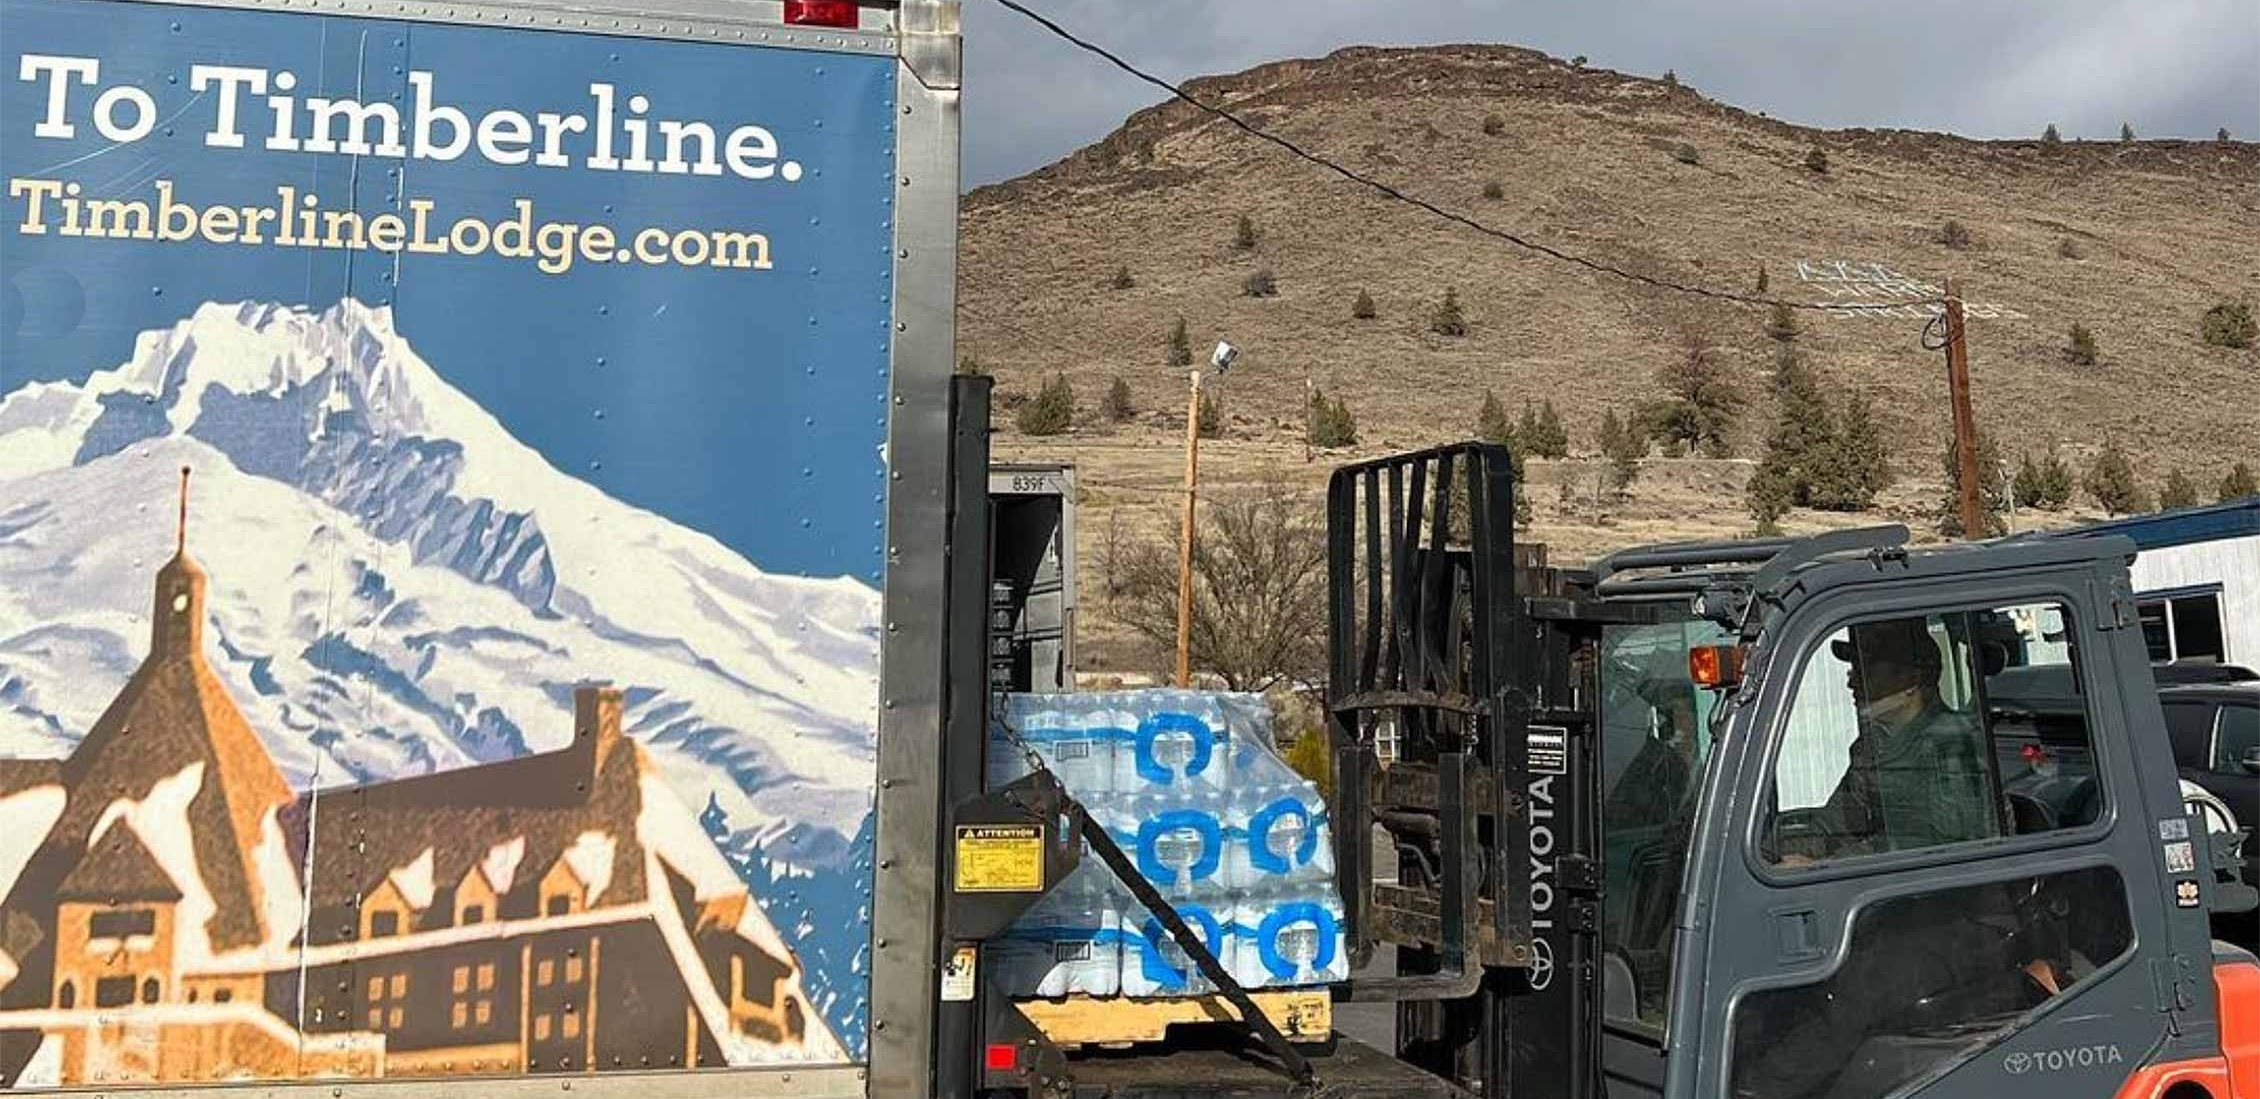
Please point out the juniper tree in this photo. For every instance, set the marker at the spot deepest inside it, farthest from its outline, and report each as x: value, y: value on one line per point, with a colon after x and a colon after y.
x: 1053, y: 410
x: 2111, y: 481
x: 1448, y: 320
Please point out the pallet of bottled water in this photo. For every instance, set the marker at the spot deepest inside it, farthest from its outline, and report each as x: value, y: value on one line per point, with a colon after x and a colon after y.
x: 1188, y: 783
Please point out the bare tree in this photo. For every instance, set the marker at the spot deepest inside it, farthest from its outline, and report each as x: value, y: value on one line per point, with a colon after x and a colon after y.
x: 1259, y: 589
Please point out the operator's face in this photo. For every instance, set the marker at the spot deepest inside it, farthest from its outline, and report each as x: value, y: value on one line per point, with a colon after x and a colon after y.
x: 1880, y: 670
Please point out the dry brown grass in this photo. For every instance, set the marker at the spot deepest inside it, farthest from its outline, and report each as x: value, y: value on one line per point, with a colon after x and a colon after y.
x: 2163, y: 231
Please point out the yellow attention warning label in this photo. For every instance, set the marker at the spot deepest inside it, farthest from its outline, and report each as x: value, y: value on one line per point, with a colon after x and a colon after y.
x: 1000, y: 858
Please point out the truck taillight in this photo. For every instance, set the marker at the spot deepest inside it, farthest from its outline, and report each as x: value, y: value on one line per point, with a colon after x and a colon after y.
x: 822, y: 13
x: 1002, y: 1057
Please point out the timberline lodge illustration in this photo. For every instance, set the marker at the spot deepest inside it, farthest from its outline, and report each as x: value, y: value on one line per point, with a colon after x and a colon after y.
x: 174, y: 911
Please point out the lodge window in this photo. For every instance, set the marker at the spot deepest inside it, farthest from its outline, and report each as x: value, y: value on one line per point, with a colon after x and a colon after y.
x: 384, y: 924
x: 113, y: 992
x: 559, y: 905
x: 474, y: 914
x: 473, y: 988
x: 67, y: 997
x: 387, y: 1002
x: 120, y: 923
x: 222, y: 996
x: 149, y: 990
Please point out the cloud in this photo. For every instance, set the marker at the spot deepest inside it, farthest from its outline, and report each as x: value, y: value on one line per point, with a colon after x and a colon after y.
x: 2173, y: 68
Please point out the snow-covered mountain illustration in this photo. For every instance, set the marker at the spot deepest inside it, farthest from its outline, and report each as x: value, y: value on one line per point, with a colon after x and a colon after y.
x: 407, y: 588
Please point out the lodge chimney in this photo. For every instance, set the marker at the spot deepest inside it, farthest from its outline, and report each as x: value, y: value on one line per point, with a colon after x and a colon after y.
x: 596, y: 722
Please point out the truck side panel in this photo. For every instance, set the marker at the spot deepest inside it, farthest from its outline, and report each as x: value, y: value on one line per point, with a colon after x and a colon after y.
x: 444, y: 513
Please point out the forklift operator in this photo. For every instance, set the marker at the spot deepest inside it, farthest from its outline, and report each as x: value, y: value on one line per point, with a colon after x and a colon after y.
x: 1915, y: 774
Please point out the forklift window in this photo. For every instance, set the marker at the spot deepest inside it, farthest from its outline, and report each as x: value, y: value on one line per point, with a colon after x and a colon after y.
x: 1655, y: 736
x: 1923, y: 731
x: 1929, y: 979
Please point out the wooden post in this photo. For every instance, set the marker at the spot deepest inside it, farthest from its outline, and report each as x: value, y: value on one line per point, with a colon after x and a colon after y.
x: 1185, y: 541
x: 1310, y: 414
x: 1965, y: 418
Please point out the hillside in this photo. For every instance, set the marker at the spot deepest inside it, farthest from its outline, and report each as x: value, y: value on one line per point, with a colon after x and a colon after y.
x: 2134, y: 240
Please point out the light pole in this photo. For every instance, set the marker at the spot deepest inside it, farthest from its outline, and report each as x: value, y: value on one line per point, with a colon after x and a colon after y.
x: 1221, y: 359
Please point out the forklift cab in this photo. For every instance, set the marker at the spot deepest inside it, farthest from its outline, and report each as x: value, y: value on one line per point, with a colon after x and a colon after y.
x: 1879, y: 821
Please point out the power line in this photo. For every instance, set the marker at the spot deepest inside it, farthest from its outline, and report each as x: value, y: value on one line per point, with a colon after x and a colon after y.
x: 1389, y: 191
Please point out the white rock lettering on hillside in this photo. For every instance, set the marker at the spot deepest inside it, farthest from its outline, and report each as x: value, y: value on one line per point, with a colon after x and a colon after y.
x: 1863, y: 287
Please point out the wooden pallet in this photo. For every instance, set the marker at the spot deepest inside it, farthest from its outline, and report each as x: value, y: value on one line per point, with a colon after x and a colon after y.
x: 1303, y: 1015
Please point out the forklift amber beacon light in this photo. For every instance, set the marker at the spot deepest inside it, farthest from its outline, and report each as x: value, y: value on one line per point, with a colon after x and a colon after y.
x: 1715, y: 666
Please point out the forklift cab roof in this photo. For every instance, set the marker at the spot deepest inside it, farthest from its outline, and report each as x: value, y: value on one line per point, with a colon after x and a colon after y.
x: 1737, y: 583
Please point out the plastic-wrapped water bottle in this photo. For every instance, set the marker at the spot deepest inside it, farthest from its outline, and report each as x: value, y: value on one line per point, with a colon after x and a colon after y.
x: 1154, y: 965
x: 1176, y: 841
x: 1068, y: 943
x: 1277, y: 835
x: 1289, y: 937
x: 1181, y: 740
x: 1075, y: 735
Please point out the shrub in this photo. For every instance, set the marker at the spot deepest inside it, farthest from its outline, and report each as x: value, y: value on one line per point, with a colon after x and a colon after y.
x: 1686, y: 153
x: 2229, y: 324
x: 1244, y: 234
x: 1363, y: 308
x: 1313, y: 758
x: 1053, y: 410
x: 1772, y: 491
x: 1577, y: 62
x: 2026, y: 489
x: 1493, y: 125
x: 1122, y: 279
x: 2067, y: 248
x: 1330, y: 422
x: 1703, y: 402
x: 1260, y: 284
x: 1491, y: 424
x: 1212, y: 417
x: 2126, y: 131
x: 1954, y: 234
x: 1448, y: 320
x: 1816, y: 160
x: 1671, y: 78
x: 2055, y: 482
x: 1762, y: 280
x: 2222, y: 135
x: 1180, y: 345
x: 2180, y: 492
x: 1993, y: 490
x: 1781, y: 324
x: 1855, y: 465
x: 2080, y: 347
x: 2050, y: 138
x: 1541, y: 432
x: 1116, y: 407
x: 1623, y: 447
x: 1494, y: 191
x: 2239, y: 483
x: 2111, y: 481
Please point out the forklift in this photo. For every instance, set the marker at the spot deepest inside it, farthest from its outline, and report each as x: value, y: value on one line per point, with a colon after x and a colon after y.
x: 1809, y: 818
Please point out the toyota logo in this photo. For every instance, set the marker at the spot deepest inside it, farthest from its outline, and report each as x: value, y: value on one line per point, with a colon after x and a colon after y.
x: 1541, y: 964
x: 2017, y: 1064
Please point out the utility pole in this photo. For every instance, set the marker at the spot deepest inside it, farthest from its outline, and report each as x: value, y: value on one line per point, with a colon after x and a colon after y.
x: 1185, y: 542
x: 1965, y: 418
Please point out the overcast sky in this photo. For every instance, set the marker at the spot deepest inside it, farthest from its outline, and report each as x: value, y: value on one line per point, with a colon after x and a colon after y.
x: 1982, y: 68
